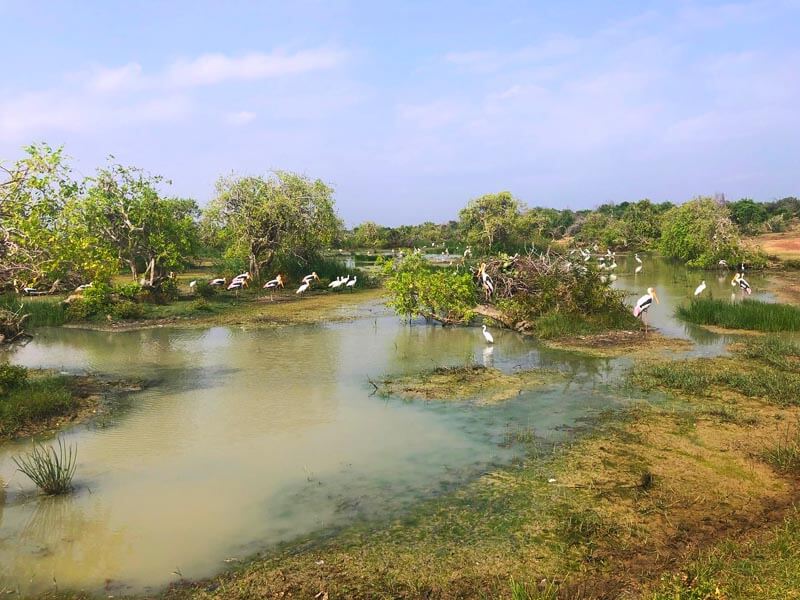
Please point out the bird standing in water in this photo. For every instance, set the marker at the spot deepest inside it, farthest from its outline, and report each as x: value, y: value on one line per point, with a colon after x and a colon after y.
x: 643, y: 304
x: 488, y: 336
x: 700, y: 288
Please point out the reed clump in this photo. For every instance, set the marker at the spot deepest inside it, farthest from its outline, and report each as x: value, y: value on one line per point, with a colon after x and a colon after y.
x: 50, y: 469
x: 748, y: 314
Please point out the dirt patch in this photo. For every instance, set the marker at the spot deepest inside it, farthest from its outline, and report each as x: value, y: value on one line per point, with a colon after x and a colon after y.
x: 782, y: 245
x: 473, y: 383
x: 618, y: 343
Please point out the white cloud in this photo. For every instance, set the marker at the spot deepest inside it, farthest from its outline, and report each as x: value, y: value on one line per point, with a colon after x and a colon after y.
x: 211, y: 69
x: 241, y: 117
x: 116, y: 79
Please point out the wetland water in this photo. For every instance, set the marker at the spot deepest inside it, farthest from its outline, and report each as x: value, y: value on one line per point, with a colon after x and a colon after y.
x: 247, y: 438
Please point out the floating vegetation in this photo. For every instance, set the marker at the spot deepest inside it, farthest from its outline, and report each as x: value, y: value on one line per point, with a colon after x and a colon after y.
x: 52, y: 471
x: 748, y: 314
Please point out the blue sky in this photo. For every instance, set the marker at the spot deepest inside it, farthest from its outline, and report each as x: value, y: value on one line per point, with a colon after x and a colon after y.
x: 409, y: 109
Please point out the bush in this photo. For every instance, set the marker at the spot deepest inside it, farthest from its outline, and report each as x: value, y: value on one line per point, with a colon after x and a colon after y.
x: 128, y: 291
x: 204, y: 290
x: 202, y: 305
x: 97, y: 299
x: 12, y: 377
x: 125, y: 309
x: 168, y: 289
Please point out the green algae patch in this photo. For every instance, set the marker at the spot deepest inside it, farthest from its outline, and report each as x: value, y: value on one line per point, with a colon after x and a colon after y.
x: 475, y: 383
x: 619, y: 343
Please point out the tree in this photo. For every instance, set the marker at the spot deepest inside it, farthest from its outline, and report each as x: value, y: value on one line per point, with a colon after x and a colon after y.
x: 124, y: 212
x: 283, y: 214
x: 748, y: 214
x: 492, y: 221
x: 37, y: 240
x: 701, y: 233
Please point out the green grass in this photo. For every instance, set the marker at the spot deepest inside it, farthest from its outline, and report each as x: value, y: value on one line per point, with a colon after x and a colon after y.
x: 559, y: 325
x: 785, y: 454
x: 748, y: 314
x: 52, y: 471
x: 37, y: 399
x: 703, y: 376
x: 773, y: 351
x: 767, y: 567
x: 43, y: 311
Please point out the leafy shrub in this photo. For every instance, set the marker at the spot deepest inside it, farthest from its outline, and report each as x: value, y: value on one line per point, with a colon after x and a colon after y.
x: 12, y: 377
x: 128, y: 291
x: 78, y: 310
x: 202, y: 305
x: 169, y: 289
x: 126, y: 309
x: 204, y: 290
x: 97, y: 298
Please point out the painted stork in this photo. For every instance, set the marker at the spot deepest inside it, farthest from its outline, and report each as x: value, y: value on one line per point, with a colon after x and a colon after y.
x: 643, y: 304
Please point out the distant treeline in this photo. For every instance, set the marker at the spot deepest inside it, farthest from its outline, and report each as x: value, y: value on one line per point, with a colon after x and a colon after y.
x: 701, y: 231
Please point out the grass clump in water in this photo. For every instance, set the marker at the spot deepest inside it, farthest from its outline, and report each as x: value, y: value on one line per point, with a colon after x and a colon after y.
x: 748, y: 314
x: 52, y: 471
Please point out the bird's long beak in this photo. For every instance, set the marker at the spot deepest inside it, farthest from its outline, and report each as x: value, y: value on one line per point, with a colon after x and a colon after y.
x: 655, y: 297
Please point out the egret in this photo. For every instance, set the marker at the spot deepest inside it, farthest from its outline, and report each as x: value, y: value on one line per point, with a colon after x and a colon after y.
x: 193, y: 284
x: 638, y: 260
x: 638, y: 270
x: 352, y: 283
x: 488, y: 336
x: 700, y: 288
x: 336, y: 282
x: 643, y: 304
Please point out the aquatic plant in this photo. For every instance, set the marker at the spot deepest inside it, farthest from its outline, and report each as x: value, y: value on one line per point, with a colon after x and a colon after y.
x: 52, y: 471
x: 773, y: 351
x: 748, y: 314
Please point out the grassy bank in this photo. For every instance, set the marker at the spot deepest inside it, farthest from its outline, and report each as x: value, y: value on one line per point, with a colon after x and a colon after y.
x: 43, y: 310
x: 34, y: 402
x: 748, y: 314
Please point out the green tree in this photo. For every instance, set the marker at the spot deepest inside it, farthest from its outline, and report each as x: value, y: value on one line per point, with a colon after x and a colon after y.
x: 124, y: 212
x: 262, y: 218
x: 748, y: 214
x: 492, y: 221
x: 701, y: 233
x: 40, y: 241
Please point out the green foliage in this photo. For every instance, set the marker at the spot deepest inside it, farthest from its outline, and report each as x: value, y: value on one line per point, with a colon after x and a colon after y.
x: 418, y: 288
x: 124, y: 213
x: 785, y: 454
x: 701, y: 233
x: 127, y: 309
x: 128, y: 291
x: 491, y: 222
x: 258, y: 219
x: 204, y: 290
x: 52, y: 471
x: 748, y: 314
x: 560, y: 325
x: 749, y: 215
x: 33, y: 400
x: 12, y: 377
x: 44, y: 311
